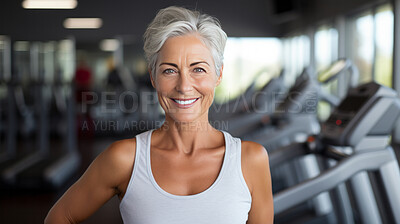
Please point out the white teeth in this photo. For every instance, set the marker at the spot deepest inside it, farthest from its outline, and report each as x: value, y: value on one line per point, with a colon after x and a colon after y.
x: 184, y: 102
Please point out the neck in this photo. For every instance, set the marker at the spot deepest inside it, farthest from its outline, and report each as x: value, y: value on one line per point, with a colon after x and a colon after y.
x: 186, y: 137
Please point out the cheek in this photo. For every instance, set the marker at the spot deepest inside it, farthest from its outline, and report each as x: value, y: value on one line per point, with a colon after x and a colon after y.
x: 164, y: 86
x: 207, y: 88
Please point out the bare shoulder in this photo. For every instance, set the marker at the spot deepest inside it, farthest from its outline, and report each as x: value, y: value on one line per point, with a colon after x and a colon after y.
x: 255, y: 163
x: 101, y: 181
x: 116, y: 162
x: 254, y: 152
x: 121, y: 150
x: 255, y: 168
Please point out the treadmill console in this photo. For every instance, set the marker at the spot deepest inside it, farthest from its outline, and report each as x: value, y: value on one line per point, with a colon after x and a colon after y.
x: 333, y: 71
x: 302, y: 97
x: 367, y: 110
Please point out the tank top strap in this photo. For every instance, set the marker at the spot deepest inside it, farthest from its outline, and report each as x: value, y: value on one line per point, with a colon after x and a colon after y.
x: 141, y: 142
x: 235, y: 156
x: 233, y: 146
x: 139, y: 164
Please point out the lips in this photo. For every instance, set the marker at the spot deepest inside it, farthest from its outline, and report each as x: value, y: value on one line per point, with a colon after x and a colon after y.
x: 184, y: 103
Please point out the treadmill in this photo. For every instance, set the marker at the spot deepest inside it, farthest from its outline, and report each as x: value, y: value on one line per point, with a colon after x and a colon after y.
x: 240, y: 104
x: 7, y: 106
x: 246, y: 114
x: 295, y: 118
x: 12, y: 114
x: 47, y: 169
x: 362, y: 171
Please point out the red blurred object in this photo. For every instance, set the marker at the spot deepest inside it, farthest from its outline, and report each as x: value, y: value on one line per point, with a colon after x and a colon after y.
x: 83, y: 77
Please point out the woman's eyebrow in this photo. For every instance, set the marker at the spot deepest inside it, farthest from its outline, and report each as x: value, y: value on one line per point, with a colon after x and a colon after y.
x: 195, y: 63
x: 176, y: 66
x: 167, y: 63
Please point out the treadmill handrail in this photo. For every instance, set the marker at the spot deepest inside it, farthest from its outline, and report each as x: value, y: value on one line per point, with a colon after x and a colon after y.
x: 343, y: 170
x: 287, y: 153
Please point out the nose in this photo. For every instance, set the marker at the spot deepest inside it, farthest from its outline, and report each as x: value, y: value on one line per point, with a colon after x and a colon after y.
x: 184, y: 83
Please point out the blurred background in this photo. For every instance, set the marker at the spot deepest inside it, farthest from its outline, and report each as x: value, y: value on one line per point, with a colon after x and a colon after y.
x: 73, y: 77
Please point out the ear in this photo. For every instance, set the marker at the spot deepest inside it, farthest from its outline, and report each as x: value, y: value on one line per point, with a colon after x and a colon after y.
x: 151, y: 79
x: 220, y: 76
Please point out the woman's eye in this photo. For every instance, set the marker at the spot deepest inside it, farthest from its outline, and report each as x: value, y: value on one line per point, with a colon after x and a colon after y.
x: 199, y: 70
x: 168, y: 71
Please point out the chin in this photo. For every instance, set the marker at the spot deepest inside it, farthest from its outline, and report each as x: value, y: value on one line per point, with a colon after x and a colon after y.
x: 184, y: 118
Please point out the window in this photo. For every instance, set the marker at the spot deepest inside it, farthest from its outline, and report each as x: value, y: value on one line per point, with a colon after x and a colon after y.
x: 66, y: 59
x: 326, y: 47
x: 326, y: 52
x: 245, y: 60
x: 363, y: 46
x: 372, y: 45
x: 296, y: 51
x: 384, y: 45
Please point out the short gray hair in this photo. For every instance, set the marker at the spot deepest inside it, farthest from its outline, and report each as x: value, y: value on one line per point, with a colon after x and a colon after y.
x: 177, y: 21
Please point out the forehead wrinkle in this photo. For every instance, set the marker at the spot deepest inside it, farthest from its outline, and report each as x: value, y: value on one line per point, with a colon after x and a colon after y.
x: 185, y: 50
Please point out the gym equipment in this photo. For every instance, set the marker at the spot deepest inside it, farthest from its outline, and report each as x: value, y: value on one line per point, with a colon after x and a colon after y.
x: 24, y: 94
x: 129, y: 104
x: 13, y: 115
x: 239, y: 115
x: 45, y: 169
x: 295, y: 118
x: 293, y: 121
x: 120, y: 110
x: 236, y: 105
x: 22, y: 75
x: 248, y: 126
x: 356, y: 136
x: 296, y: 114
x: 246, y: 105
x: 7, y: 105
x: 334, y: 72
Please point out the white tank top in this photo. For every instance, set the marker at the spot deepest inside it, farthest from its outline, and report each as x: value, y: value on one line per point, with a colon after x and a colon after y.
x: 226, y: 201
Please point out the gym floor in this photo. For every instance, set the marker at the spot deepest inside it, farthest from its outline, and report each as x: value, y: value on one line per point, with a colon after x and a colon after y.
x: 18, y: 207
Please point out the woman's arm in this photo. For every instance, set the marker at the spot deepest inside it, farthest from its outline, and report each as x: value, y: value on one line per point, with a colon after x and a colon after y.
x: 101, y: 181
x: 255, y: 166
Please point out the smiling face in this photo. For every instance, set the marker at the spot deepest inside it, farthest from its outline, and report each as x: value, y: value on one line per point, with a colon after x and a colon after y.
x: 185, y: 79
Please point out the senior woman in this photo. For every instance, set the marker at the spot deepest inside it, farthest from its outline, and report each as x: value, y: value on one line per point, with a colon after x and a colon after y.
x: 186, y: 171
